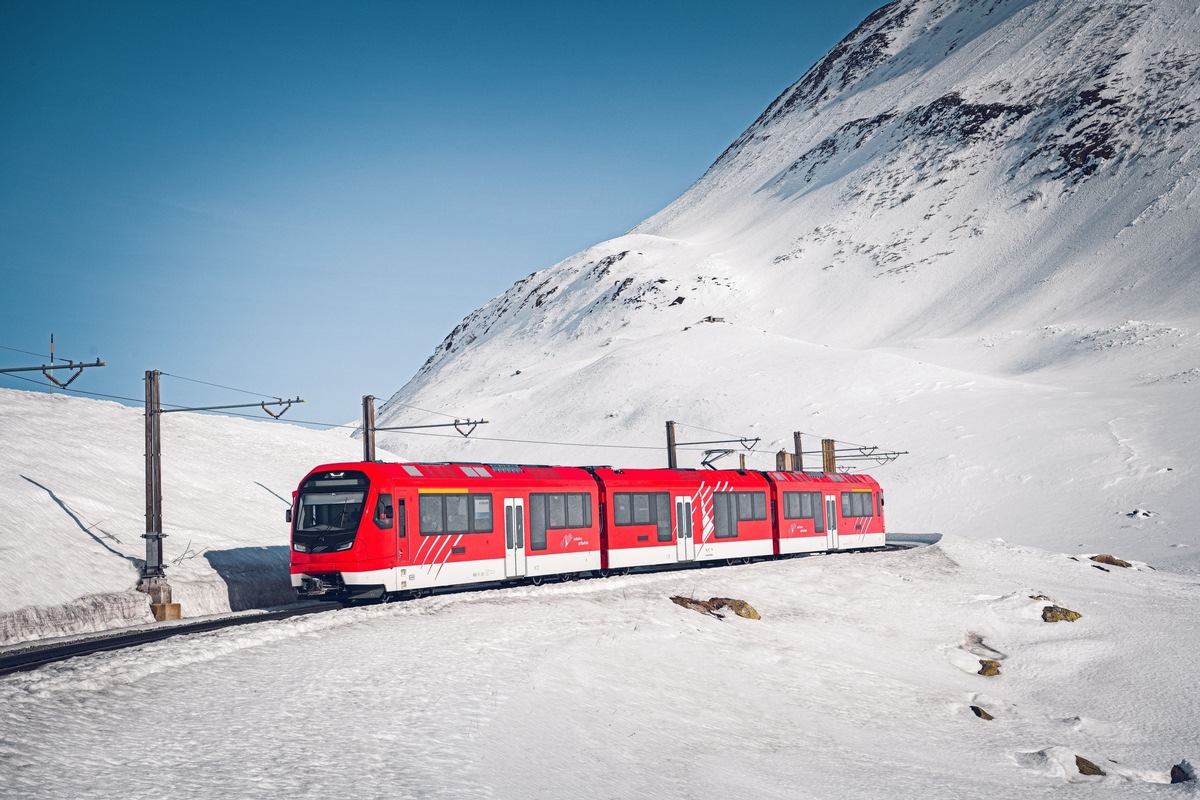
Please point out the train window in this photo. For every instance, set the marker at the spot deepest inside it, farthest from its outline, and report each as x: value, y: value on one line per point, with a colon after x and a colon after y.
x: 556, y: 504
x: 751, y: 505
x: 644, y: 508
x: 804, y: 505
x: 641, y: 509
x: 621, y: 509
x: 401, y: 520
x: 383, y: 511
x: 455, y: 513
x: 575, y: 507
x: 856, y: 504
x: 431, y: 514
x: 557, y: 510
x: 481, y: 513
x: 724, y: 516
x: 791, y: 505
x: 537, y: 522
x: 662, y: 516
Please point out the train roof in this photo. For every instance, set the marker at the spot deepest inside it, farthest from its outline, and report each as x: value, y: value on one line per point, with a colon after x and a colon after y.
x: 455, y: 470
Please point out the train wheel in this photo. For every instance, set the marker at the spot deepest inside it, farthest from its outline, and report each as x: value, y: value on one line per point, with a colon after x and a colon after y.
x: 536, y: 580
x: 567, y: 577
x: 603, y: 573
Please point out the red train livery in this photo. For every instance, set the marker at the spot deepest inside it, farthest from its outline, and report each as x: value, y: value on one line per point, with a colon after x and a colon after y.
x: 362, y: 531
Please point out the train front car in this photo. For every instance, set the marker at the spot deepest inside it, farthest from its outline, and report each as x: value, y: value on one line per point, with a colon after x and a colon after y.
x: 365, y: 530
x: 338, y: 550
x: 823, y: 512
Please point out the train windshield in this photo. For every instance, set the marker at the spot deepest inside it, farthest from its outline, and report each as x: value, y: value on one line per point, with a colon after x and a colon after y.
x: 331, y: 502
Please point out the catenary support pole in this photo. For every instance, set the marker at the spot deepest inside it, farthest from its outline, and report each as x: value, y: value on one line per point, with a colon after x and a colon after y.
x: 368, y: 428
x: 153, y: 579
x: 672, y: 459
x: 828, y: 456
x: 799, y: 463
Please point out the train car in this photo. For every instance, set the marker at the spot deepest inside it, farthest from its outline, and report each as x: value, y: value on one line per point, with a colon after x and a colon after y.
x: 663, y: 516
x: 820, y: 512
x: 361, y: 531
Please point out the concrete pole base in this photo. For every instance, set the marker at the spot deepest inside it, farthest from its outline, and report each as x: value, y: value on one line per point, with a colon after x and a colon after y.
x: 165, y: 611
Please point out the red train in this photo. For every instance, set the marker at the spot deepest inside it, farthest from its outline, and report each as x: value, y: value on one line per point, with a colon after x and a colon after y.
x: 362, y: 531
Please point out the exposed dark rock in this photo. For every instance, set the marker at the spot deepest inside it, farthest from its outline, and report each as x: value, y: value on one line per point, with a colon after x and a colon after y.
x: 1059, y: 614
x: 1087, y: 768
x: 678, y: 301
x: 1183, y: 772
x: 988, y: 668
x: 1039, y: 597
x: 979, y: 712
x: 715, y: 604
x: 1105, y: 558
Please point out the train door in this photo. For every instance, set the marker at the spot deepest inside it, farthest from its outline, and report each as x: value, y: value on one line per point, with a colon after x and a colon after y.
x: 514, y: 537
x: 831, y: 529
x: 685, y: 545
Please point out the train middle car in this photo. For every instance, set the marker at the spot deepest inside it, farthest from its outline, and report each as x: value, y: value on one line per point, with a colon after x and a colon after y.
x: 361, y: 531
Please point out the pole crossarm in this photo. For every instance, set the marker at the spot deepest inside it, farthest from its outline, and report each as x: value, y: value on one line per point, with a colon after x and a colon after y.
x: 748, y: 444
x: 458, y: 425
x: 46, y: 369
x: 285, y: 403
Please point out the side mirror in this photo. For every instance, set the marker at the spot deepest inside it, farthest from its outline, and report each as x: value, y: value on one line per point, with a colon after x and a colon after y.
x: 288, y: 516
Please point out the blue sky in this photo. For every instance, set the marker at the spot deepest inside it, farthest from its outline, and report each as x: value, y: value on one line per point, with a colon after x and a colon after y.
x: 298, y: 198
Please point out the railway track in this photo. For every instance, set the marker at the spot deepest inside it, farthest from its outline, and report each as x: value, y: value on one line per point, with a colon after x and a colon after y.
x: 22, y: 658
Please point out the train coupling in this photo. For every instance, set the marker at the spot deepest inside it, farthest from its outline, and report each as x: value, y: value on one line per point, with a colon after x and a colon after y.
x: 316, y: 586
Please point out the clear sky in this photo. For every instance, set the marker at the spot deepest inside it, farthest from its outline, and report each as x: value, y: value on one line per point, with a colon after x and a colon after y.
x: 301, y: 198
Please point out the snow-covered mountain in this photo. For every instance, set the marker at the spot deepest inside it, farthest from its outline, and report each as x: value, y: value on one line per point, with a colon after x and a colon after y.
x: 970, y: 232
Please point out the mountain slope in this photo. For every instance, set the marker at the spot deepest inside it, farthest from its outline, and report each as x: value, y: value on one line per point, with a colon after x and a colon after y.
x: 967, y: 232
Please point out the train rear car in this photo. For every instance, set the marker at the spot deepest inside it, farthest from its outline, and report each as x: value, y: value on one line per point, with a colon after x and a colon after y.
x: 817, y: 512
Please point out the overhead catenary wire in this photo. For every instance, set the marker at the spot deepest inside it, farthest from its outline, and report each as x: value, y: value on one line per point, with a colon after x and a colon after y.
x: 25, y: 352
x: 390, y: 403
x: 219, y: 386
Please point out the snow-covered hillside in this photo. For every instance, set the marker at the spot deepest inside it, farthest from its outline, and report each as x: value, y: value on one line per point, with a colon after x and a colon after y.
x: 969, y: 232
x: 72, y: 496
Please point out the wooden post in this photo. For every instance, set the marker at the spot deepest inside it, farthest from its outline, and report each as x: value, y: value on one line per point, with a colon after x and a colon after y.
x: 368, y: 428
x: 672, y: 460
x: 828, y: 457
x: 799, y: 452
x: 153, y: 579
x: 742, y: 461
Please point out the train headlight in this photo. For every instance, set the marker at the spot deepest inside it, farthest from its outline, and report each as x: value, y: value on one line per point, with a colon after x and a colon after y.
x: 345, y: 546
x: 300, y: 548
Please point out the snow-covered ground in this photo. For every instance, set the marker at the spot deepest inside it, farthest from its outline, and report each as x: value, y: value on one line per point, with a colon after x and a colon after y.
x: 857, y: 682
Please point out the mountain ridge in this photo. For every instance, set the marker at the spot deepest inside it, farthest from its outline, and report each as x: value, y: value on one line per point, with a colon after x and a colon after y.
x: 1002, y: 189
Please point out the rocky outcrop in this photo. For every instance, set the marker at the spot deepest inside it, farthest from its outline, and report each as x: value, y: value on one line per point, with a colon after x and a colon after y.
x: 1059, y: 614
x: 715, y: 604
